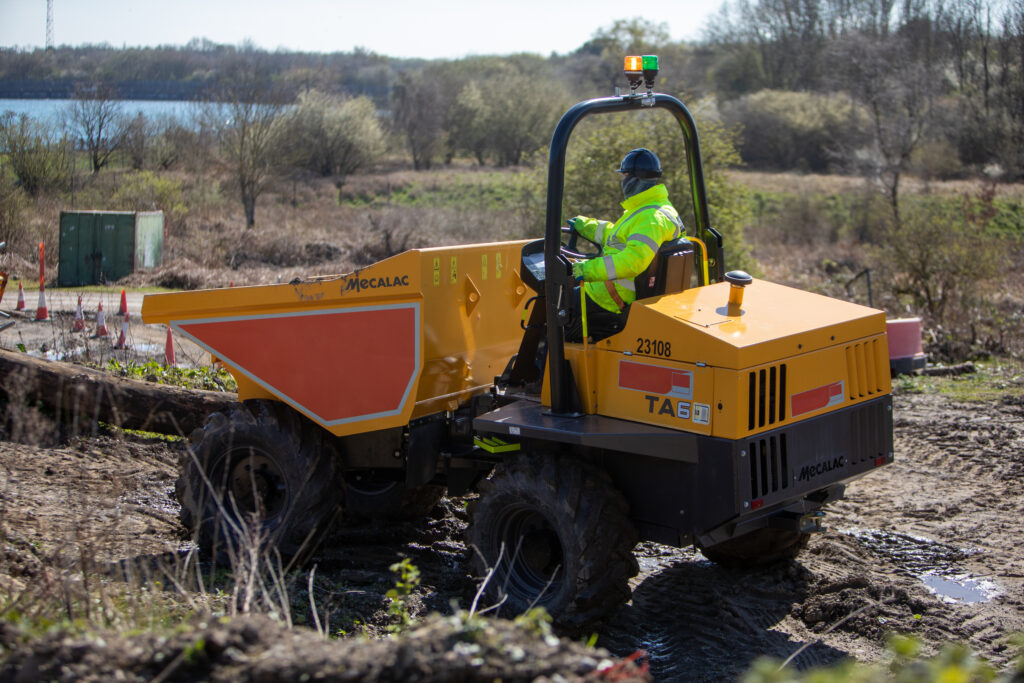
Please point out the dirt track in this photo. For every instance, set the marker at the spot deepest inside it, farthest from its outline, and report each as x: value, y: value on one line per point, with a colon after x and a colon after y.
x: 949, y: 507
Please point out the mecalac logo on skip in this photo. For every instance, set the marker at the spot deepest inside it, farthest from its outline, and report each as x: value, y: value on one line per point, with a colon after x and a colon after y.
x: 355, y: 283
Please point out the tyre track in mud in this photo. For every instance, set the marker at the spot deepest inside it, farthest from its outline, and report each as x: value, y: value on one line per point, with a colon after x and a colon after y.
x: 955, y: 484
x: 950, y: 504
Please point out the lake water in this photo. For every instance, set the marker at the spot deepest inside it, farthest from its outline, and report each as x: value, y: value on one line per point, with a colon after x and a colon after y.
x: 50, y: 110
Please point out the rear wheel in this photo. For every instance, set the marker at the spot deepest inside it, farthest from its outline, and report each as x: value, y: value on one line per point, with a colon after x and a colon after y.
x: 758, y: 548
x: 257, y: 474
x: 557, y: 535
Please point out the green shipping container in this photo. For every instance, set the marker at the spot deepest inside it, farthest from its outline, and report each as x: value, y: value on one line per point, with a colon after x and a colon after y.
x: 99, y: 247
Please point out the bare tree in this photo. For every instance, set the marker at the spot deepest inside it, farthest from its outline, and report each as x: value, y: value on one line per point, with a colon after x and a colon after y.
x: 777, y: 43
x: 1011, y: 84
x: 467, y: 125
x: 138, y: 131
x: 419, y: 112
x: 243, y: 117
x: 898, y: 90
x: 95, y: 118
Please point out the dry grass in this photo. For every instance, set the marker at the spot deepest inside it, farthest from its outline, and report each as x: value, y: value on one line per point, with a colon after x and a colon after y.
x: 809, y: 232
x: 312, y: 228
x: 811, y: 183
x: 304, y: 227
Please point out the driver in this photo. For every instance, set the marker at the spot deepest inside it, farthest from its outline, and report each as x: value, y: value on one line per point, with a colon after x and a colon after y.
x: 628, y: 247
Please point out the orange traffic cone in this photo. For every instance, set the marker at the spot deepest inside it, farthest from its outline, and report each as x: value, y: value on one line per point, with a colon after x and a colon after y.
x: 41, y: 312
x: 21, y: 298
x: 122, y: 339
x: 124, y: 303
x: 169, y: 350
x: 101, y: 323
x: 79, y: 325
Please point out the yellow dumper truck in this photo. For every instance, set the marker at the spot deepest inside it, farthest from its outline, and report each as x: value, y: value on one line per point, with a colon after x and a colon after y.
x: 726, y: 414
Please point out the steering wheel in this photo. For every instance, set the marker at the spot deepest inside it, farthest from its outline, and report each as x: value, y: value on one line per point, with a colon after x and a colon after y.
x: 533, y: 259
x: 572, y: 251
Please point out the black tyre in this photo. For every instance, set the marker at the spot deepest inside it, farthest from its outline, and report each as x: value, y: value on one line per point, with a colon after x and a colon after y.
x: 557, y: 534
x: 370, y: 497
x: 757, y: 548
x: 260, y: 468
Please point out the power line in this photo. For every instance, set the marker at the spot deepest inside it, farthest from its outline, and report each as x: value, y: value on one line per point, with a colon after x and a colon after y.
x: 49, y: 25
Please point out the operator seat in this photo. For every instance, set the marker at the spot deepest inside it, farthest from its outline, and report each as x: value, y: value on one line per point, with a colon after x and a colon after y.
x: 670, y: 271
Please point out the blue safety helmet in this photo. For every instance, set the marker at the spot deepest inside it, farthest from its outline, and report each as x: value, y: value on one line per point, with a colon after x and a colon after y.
x: 642, y: 163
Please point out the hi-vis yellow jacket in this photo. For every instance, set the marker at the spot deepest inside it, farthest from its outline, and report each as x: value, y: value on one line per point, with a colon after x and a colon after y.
x: 648, y: 220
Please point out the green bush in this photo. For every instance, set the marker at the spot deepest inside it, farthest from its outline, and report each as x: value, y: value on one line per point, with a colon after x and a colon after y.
x: 39, y: 157
x: 149, y: 191
x: 331, y: 135
x: 905, y: 664
x: 937, y: 159
x: 12, y: 207
x: 805, y: 219
x: 506, y: 117
x: 945, y: 264
x: 173, y: 143
x: 795, y: 130
x: 191, y: 378
x: 407, y: 580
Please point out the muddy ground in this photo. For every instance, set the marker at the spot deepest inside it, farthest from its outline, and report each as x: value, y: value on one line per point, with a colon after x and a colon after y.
x: 946, y: 515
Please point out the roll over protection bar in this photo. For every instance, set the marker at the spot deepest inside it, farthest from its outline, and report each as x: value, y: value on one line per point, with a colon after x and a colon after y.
x: 559, y: 281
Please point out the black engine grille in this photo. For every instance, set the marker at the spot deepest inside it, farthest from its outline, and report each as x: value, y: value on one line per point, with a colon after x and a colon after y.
x: 766, y: 396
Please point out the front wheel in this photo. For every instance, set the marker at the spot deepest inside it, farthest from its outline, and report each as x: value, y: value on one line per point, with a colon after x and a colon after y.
x: 758, y: 548
x: 260, y: 477
x: 557, y: 535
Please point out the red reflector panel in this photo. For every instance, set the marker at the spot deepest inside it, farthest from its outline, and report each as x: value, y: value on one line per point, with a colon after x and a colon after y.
x: 654, y: 379
x: 757, y: 503
x: 816, y: 399
x: 337, y: 365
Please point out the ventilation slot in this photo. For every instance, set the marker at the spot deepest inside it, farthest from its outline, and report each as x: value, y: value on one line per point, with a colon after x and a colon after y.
x: 766, y: 396
x: 769, y: 466
x: 862, y: 370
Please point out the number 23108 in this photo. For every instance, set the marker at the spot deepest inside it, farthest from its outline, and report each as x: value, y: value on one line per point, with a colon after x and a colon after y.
x: 653, y: 347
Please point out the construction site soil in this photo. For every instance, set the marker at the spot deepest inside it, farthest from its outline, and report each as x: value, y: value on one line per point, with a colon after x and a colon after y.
x: 929, y: 546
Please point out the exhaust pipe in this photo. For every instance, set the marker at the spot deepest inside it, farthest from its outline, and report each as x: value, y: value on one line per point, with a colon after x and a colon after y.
x: 737, y: 280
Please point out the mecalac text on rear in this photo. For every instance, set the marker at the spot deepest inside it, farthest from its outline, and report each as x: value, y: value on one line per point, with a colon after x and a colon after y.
x: 358, y: 284
x: 808, y: 472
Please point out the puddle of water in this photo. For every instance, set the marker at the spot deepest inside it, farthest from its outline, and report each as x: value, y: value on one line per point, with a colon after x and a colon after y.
x: 962, y: 589
x: 934, y: 563
x: 915, y: 554
x: 77, y: 351
x: 52, y: 354
x: 148, y: 348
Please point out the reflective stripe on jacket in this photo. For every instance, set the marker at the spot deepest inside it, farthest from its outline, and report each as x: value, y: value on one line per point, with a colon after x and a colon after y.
x: 648, y: 221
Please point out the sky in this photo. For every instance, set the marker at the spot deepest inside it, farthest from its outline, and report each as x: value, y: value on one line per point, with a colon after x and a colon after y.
x: 396, y: 28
